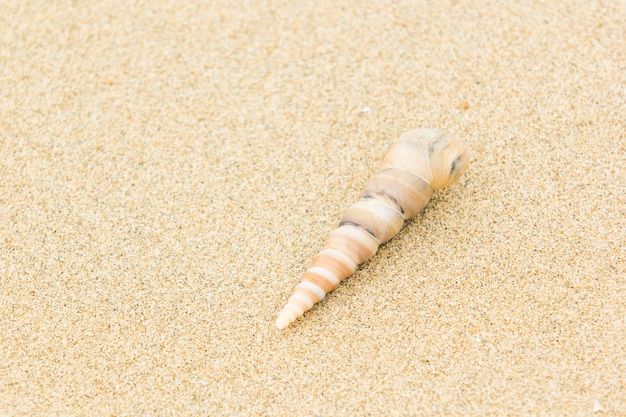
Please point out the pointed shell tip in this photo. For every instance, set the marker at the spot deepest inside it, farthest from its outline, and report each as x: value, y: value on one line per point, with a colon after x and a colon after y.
x: 281, y: 323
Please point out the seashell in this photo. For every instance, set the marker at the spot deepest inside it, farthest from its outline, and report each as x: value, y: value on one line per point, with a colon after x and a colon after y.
x: 419, y: 162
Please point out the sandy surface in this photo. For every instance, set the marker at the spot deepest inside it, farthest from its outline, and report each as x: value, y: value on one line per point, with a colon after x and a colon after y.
x: 169, y: 169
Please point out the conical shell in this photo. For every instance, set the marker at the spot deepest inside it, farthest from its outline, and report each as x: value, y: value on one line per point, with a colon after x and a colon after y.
x: 418, y: 163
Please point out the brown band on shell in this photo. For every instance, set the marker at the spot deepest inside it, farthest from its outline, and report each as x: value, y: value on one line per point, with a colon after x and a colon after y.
x: 294, y: 299
x: 411, y: 193
x: 338, y: 263
x: 315, y: 298
x: 320, y: 280
x: 356, y: 224
x: 354, y: 242
x: 375, y: 216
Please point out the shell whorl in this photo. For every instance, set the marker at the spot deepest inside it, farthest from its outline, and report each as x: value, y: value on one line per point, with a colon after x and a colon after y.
x: 418, y: 163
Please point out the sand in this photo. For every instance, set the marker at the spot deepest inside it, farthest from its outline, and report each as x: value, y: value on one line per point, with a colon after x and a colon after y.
x: 169, y: 169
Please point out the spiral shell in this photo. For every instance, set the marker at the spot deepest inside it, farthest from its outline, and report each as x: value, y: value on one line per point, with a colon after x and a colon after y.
x: 419, y: 162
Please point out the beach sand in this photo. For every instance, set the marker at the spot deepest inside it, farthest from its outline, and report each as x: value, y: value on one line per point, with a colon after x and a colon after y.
x: 168, y: 170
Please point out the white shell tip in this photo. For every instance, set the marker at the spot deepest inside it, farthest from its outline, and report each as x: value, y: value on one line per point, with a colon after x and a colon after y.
x: 282, y: 322
x: 597, y: 407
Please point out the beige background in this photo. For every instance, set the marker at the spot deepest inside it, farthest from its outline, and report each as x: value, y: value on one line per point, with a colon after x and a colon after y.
x: 169, y: 169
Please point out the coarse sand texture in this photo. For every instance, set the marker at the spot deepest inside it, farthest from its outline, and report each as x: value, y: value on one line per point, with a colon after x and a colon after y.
x: 171, y: 171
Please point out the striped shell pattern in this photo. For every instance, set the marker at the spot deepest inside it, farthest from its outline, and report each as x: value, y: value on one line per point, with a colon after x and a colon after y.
x: 419, y: 162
